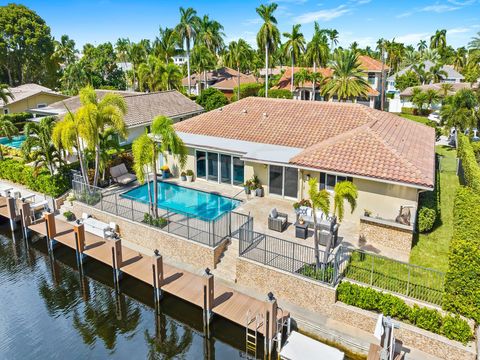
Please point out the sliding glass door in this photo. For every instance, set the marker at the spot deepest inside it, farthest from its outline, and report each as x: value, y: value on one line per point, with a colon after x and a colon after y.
x: 283, y: 181
x: 212, y: 161
x: 201, y: 159
x: 238, y: 171
x: 226, y: 169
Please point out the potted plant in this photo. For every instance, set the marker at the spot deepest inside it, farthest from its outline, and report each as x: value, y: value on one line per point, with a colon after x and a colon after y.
x: 367, y: 212
x: 259, y: 190
x: 189, y: 175
x: 183, y: 176
x: 165, y: 171
x: 248, y: 187
x: 70, y: 216
x: 303, y: 202
x: 71, y: 198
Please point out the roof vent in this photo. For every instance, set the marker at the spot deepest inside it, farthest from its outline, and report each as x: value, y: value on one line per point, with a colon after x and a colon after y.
x: 220, y: 108
x: 265, y: 115
x: 244, y: 111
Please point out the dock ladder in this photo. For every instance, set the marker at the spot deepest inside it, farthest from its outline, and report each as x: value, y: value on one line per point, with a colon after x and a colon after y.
x: 282, y: 323
x: 254, y: 322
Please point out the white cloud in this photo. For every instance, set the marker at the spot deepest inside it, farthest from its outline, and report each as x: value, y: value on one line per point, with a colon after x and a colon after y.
x: 405, y: 14
x: 254, y: 21
x: 460, y: 30
x: 325, y: 15
x: 412, y: 38
x: 439, y: 8
x: 295, y: 2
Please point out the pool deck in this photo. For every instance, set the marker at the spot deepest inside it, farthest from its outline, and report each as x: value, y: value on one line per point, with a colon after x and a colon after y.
x: 228, y: 303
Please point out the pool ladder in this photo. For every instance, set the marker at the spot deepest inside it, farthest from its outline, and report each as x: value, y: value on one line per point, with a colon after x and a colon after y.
x: 251, y: 334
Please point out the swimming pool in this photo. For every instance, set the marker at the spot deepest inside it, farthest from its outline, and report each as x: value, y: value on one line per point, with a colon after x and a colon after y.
x: 16, y: 141
x: 177, y: 198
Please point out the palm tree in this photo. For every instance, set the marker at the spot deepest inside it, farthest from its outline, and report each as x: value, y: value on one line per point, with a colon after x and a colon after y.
x: 419, y: 99
x: 303, y: 76
x: 268, y: 36
x: 344, y: 190
x: 172, y: 77
x: 136, y: 55
x: 65, y: 50
x: 437, y: 73
x: 5, y: 94
x: 439, y: 40
x: 238, y: 53
x: 347, y: 81
x: 96, y: 116
x: 424, y: 76
x: 203, y: 59
x: 8, y: 130
x: 165, y: 45
x: 109, y: 145
x: 422, y: 46
x: 320, y: 200
x: 431, y: 55
x: 38, y: 144
x: 316, y: 78
x: 187, y: 29
x: 317, y: 53
x: 432, y: 97
x: 294, y: 46
x: 446, y: 88
x: 142, y: 149
x: 474, y: 44
x: 460, y: 59
x: 121, y: 48
x: 74, y: 78
x: 333, y: 36
x: 162, y: 140
x: 150, y: 74
x: 209, y: 33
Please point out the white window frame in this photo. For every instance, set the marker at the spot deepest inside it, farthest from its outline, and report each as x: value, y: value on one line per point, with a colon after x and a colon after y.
x: 336, y: 180
x: 219, y: 175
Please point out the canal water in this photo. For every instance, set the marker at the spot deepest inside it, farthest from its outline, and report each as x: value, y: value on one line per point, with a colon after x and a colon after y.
x: 48, y: 311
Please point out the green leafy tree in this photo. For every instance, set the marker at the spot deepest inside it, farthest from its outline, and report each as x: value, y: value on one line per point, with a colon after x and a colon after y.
x: 150, y: 74
x: 165, y: 45
x: 320, y: 200
x: 439, y: 40
x: 38, y: 145
x: 460, y: 110
x: 211, y: 99
x: 406, y: 80
x: 203, y: 60
x: 303, y: 75
x: 445, y: 89
x: 26, y: 47
x: 333, y: 36
x: 187, y: 29
x: 238, y: 53
x: 474, y: 44
x: 5, y: 94
x: 347, y: 81
x: 437, y: 73
x: 419, y: 99
x: 294, y: 46
x: 8, y: 130
x: 317, y: 53
x: 172, y: 77
x: 74, y: 78
x: 268, y: 36
x: 65, y: 50
x: 162, y: 140
x: 209, y: 33
x: 432, y: 97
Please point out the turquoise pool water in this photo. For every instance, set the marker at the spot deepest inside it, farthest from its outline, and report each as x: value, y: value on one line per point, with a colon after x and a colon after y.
x: 200, y: 204
x: 16, y: 141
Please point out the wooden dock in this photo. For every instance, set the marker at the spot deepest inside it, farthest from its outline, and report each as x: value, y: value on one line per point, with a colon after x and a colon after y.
x: 225, y: 302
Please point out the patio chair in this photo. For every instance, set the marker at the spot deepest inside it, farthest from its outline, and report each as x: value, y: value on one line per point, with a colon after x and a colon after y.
x: 121, y: 175
x: 277, y: 221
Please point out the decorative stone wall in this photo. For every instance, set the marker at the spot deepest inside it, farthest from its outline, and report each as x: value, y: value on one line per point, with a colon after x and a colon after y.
x: 410, y: 336
x: 386, y: 234
x: 297, y: 290
x: 170, y: 246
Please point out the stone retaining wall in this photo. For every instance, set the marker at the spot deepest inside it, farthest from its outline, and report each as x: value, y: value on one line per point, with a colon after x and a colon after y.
x: 411, y: 336
x: 386, y: 234
x: 297, y: 290
x: 169, y: 245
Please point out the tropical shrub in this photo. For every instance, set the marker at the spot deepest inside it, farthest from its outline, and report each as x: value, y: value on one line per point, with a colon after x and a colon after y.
x: 408, y: 79
x: 246, y: 90
x: 471, y: 169
x: 157, y: 222
x: 462, y: 280
x: 41, y: 181
x: 428, y: 209
x: 276, y: 93
x: 211, y: 98
x: 70, y: 216
x: 18, y: 119
x: 452, y: 327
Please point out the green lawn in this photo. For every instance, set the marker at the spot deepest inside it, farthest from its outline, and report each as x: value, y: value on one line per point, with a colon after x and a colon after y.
x: 431, y: 250
x: 421, y: 119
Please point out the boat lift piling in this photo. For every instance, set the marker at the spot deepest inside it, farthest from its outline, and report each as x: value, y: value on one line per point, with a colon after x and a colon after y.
x: 157, y: 271
x: 11, y: 213
x: 208, y: 297
x: 116, y: 246
x: 79, y: 232
x: 51, y: 230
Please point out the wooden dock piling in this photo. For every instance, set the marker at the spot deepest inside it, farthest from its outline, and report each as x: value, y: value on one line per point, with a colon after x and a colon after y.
x: 157, y: 272
x: 116, y: 246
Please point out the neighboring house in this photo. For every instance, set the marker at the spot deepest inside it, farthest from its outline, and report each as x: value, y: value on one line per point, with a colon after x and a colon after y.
x: 142, y: 108
x: 223, y: 79
x: 406, y: 95
x: 372, y: 69
x: 179, y: 59
x: 453, y: 76
x: 29, y: 96
x: 390, y: 159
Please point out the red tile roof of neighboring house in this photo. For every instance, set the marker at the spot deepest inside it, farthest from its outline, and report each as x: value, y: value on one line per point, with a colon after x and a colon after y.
x: 340, y: 137
x: 368, y: 63
x: 223, y: 78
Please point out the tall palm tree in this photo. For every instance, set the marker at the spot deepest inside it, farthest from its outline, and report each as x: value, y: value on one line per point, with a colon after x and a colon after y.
x: 238, y: 53
x: 344, y: 191
x: 439, y: 40
x: 162, y: 140
x: 8, y: 130
x: 136, y: 55
x: 38, y: 144
x: 165, y: 45
x: 203, y: 60
x: 316, y: 78
x: 474, y: 44
x: 446, y: 88
x: 333, y: 36
x: 187, y: 29
x: 95, y: 116
x: 65, y: 50
x: 303, y: 76
x: 437, y: 73
x: 424, y: 76
x: 347, y: 81
x: 209, y: 33
x: 320, y: 200
x: 150, y: 74
x: 109, y: 145
x: 422, y: 46
x: 121, y: 48
x: 172, y: 77
x: 268, y: 36
x: 432, y: 97
x: 460, y: 59
x: 5, y: 94
x: 317, y: 53
x: 294, y: 46
x: 142, y: 149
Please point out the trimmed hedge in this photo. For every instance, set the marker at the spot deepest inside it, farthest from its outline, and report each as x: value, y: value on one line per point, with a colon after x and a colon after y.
x: 471, y: 169
x: 452, y: 327
x: 18, y: 119
x: 42, y: 182
x: 246, y: 90
x: 276, y: 93
x: 211, y: 99
x: 428, y: 209
x: 462, y: 280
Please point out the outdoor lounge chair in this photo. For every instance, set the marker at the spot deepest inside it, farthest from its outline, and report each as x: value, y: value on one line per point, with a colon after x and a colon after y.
x: 121, y: 175
x: 277, y: 221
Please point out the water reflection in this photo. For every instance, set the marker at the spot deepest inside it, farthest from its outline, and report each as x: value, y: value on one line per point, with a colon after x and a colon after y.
x: 61, y: 313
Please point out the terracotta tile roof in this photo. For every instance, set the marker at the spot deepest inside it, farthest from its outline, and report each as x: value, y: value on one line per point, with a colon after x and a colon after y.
x: 368, y: 63
x: 285, y: 80
x: 223, y: 78
x: 339, y: 137
x: 438, y: 87
x: 142, y: 107
x: 27, y: 90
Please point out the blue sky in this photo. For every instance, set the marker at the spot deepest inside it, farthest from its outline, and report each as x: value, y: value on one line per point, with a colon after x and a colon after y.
x: 363, y: 21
